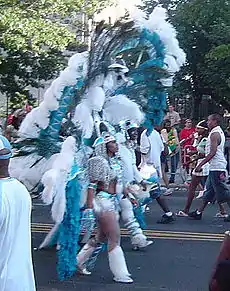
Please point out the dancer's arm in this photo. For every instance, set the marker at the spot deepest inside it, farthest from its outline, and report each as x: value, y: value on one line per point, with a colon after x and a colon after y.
x: 91, y: 193
x: 215, y: 141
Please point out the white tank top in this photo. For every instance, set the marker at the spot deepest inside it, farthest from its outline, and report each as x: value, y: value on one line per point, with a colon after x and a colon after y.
x: 218, y: 162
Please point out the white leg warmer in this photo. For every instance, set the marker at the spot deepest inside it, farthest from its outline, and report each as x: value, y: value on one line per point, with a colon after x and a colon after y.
x: 138, y: 239
x: 118, y: 266
x: 83, y: 256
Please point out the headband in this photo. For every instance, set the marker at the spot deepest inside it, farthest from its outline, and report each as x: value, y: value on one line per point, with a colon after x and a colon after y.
x: 202, y: 124
x: 104, y: 140
x: 131, y: 125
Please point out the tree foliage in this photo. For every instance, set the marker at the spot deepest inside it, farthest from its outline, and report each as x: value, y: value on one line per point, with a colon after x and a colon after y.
x: 33, y: 36
x: 37, y: 25
x: 204, y: 32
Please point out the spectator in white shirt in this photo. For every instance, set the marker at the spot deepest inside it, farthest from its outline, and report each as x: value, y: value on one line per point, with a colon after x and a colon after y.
x: 173, y: 116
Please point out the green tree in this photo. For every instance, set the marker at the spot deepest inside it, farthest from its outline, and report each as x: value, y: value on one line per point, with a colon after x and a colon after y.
x: 20, y: 100
x: 33, y: 36
x: 203, y: 28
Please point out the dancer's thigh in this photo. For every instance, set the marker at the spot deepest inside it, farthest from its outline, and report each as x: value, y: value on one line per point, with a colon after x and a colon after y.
x: 195, y: 182
x: 109, y: 228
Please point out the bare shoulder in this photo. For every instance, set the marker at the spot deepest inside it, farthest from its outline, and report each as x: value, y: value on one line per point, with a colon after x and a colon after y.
x: 215, y: 137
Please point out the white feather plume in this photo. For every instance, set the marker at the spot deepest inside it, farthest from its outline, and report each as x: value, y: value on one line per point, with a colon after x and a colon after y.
x: 167, y: 82
x: 171, y: 64
x: 49, y: 237
x: 28, y: 127
x: 77, y: 69
x: 59, y: 200
x: 95, y: 98
x: 69, y: 77
x: 56, y: 178
x: 119, y: 108
x: 57, y: 88
x: 157, y: 22
x: 83, y: 118
x: 52, y: 102
x: 20, y: 168
x: 79, y: 62
x: 48, y: 180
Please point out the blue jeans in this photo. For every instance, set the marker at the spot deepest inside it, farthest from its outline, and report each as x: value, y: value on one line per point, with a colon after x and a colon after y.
x: 174, y: 164
x: 216, y: 187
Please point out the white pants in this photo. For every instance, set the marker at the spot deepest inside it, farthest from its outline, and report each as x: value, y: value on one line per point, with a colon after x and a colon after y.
x: 137, y: 237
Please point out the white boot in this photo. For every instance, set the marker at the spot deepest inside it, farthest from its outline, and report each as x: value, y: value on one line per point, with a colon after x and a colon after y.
x: 82, y: 257
x: 138, y: 239
x: 118, y: 266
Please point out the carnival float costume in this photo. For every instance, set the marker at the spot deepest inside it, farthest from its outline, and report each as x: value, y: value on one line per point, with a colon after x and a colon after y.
x: 96, y: 81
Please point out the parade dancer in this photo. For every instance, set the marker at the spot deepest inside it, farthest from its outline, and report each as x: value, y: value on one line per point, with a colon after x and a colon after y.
x: 151, y: 146
x: 131, y: 176
x: 99, y: 86
x: 105, y: 175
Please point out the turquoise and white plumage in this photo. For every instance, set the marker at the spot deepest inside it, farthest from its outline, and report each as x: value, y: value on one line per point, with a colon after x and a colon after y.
x: 124, y: 75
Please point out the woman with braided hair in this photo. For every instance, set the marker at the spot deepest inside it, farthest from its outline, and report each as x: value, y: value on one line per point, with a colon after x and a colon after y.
x: 105, y: 175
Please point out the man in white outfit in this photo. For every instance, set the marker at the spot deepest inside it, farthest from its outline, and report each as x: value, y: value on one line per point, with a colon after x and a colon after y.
x: 215, y: 187
x: 16, y: 268
x: 131, y: 175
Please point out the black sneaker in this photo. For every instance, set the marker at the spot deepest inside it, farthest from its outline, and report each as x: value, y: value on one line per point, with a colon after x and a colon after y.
x: 165, y: 219
x: 171, y: 181
x: 195, y: 215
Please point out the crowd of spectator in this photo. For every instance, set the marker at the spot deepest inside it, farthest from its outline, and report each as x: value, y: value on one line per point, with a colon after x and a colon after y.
x: 13, y: 122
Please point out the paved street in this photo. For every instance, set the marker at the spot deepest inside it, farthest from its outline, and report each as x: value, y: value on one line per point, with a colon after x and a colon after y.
x: 180, y: 259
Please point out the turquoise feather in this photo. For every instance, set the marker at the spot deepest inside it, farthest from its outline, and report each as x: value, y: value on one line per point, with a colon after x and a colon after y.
x: 69, y: 232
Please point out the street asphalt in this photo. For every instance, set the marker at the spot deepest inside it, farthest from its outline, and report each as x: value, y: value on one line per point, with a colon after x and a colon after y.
x: 180, y: 259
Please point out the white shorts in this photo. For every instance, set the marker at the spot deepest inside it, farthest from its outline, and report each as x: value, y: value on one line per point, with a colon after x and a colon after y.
x: 204, y: 172
x: 105, y: 202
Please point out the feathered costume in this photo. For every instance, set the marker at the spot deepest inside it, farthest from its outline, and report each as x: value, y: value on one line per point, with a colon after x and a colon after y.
x: 132, y: 179
x: 126, y: 72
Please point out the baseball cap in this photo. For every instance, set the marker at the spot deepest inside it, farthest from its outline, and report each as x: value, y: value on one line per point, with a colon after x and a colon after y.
x: 5, y: 144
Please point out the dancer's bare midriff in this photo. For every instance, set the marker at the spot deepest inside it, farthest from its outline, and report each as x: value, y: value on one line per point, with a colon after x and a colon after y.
x: 111, y: 189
